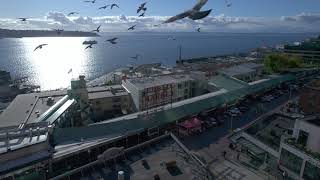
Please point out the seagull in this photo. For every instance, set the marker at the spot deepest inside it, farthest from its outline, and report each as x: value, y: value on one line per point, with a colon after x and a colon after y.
x: 72, y: 13
x: 40, y: 46
x: 136, y: 57
x: 198, y: 29
x: 193, y: 13
x: 88, y: 1
x: 132, y: 27
x: 142, y: 8
x: 23, y: 19
x: 114, y: 5
x: 229, y: 4
x: 98, y: 29
x: 141, y: 15
x: 59, y: 31
x: 104, y: 7
x: 89, y: 46
x: 113, y: 40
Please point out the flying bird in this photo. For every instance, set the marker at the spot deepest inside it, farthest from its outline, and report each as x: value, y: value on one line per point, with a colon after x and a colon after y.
x: 59, y: 31
x: 72, y: 13
x: 104, y: 7
x: 88, y: 1
x: 229, y: 4
x: 135, y: 57
x: 112, y: 41
x: 198, y: 29
x: 193, y: 13
x: 97, y: 30
x: 132, y: 27
x: 141, y: 15
x: 40, y: 46
x: 142, y: 7
x: 23, y: 19
x: 89, y: 47
x: 114, y: 5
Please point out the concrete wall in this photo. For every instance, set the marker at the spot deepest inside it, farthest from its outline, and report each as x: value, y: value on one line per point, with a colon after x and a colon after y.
x: 313, y: 142
x: 134, y: 92
x: 23, y: 152
x: 100, y: 106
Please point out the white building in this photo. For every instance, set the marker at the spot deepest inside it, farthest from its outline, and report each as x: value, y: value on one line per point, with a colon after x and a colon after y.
x: 151, y: 92
x: 300, y: 153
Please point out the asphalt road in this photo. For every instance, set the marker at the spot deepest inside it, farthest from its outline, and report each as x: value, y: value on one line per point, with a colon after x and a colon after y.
x: 212, y: 135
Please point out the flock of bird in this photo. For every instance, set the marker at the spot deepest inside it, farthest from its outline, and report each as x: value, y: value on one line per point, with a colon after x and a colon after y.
x: 194, y: 13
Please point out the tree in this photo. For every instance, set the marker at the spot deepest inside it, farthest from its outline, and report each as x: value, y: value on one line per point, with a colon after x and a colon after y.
x: 279, y: 62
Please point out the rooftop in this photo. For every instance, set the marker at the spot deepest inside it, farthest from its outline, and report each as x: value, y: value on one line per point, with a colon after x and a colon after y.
x: 227, y: 83
x: 237, y: 70
x: 270, y: 129
x: 28, y: 107
x: 148, y: 82
x: 314, y: 119
x: 165, y: 158
x: 241, y: 69
x: 105, y: 92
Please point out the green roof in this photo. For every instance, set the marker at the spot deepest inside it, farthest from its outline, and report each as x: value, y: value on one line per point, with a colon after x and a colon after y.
x: 227, y: 83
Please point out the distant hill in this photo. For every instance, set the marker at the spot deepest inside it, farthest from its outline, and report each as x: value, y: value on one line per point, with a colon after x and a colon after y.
x: 7, y: 33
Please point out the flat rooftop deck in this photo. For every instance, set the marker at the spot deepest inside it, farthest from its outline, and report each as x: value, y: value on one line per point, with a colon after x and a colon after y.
x: 27, y: 107
x: 165, y: 158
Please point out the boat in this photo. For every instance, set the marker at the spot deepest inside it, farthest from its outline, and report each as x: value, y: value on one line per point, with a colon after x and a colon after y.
x: 90, y: 42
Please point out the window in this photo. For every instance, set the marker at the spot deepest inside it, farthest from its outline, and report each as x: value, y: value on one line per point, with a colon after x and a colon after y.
x: 290, y: 161
x: 303, y: 138
x: 179, y: 86
x: 311, y: 172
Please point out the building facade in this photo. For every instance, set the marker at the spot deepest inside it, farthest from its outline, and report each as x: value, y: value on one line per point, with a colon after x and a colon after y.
x: 300, y: 153
x: 152, y: 92
x: 310, y: 98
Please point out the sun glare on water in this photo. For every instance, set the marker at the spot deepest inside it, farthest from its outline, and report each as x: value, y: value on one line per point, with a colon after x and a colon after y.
x: 53, y: 63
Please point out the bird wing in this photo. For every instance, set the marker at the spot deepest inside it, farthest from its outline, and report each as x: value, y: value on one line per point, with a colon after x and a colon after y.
x: 200, y: 14
x: 177, y: 17
x: 43, y: 44
x: 36, y: 48
x: 98, y: 27
x: 199, y: 5
x: 114, y: 5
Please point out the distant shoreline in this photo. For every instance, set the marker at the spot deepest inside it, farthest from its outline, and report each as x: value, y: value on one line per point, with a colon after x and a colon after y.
x: 7, y: 33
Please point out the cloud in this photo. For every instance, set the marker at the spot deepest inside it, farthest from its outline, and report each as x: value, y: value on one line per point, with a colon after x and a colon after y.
x: 58, y: 17
x: 303, y: 22
x: 303, y: 18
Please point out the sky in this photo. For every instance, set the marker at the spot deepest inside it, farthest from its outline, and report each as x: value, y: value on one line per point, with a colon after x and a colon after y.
x: 242, y: 16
